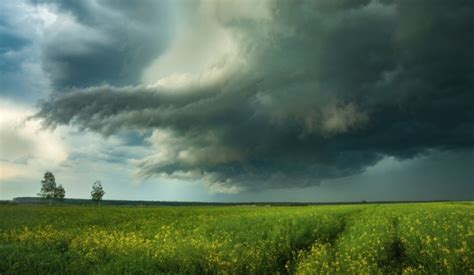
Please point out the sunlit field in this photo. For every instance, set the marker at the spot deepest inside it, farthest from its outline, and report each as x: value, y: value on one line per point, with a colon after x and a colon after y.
x: 367, y: 239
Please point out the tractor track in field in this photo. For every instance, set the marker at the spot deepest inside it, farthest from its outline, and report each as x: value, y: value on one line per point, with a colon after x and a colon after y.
x: 397, y: 256
x: 287, y: 263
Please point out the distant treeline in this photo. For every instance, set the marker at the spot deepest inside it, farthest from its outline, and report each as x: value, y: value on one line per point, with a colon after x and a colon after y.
x: 36, y: 200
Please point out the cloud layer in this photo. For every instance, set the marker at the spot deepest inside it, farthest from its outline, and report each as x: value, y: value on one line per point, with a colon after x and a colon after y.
x: 297, y: 91
x: 24, y: 149
x: 94, y: 42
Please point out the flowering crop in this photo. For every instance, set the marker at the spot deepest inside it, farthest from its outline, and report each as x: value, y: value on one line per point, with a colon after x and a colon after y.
x: 368, y: 239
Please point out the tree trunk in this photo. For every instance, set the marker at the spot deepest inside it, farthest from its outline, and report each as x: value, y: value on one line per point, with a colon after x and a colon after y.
x: 49, y: 201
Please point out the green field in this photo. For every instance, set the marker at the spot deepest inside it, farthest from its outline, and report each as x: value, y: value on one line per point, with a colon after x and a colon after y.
x: 367, y: 239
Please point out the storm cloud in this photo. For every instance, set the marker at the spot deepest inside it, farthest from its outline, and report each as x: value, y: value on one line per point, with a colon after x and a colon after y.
x: 306, y: 91
x: 97, y: 42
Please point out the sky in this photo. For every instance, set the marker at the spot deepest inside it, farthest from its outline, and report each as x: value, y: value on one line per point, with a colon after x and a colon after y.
x: 239, y: 100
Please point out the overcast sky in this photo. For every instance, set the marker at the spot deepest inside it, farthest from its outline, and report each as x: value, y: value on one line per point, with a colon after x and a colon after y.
x: 239, y: 100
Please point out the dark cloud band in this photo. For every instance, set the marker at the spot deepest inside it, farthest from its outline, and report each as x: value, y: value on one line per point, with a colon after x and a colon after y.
x: 328, y: 88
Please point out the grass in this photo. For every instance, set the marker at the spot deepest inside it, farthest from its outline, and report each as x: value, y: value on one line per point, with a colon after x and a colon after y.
x: 364, y: 239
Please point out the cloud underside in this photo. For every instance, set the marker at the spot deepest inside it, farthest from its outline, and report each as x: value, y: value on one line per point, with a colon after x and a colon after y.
x: 310, y: 90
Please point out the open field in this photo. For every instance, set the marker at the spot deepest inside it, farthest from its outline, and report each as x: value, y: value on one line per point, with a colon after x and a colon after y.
x: 371, y: 239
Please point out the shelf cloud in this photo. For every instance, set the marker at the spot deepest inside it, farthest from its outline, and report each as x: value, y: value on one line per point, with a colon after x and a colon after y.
x: 289, y: 93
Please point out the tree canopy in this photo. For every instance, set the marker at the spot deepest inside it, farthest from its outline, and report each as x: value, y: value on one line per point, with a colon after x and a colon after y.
x: 97, y: 191
x: 49, y: 190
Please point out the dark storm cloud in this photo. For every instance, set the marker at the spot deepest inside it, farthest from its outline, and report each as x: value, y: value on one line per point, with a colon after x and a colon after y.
x: 10, y: 42
x: 19, y: 76
x: 329, y: 88
x: 106, y: 42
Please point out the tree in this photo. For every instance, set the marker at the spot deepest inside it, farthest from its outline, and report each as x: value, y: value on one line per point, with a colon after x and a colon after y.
x: 48, y: 186
x: 97, y: 192
x: 59, y: 193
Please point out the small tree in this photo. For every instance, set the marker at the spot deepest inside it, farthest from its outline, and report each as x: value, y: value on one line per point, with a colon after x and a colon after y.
x: 97, y: 192
x: 48, y: 186
x: 59, y: 193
